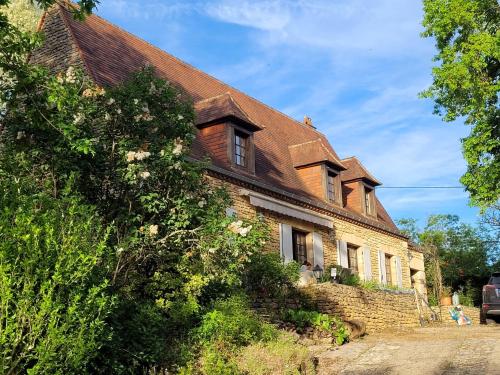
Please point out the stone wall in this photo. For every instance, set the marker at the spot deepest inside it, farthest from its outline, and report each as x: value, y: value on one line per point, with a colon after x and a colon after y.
x: 343, y: 230
x: 471, y: 312
x: 379, y: 310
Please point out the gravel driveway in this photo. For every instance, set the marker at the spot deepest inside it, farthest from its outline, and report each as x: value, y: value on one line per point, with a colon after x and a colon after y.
x: 433, y: 350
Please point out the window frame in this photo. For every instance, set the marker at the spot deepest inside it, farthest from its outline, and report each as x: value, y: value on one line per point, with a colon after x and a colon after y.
x: 369, y: 207
x: 238, y: 131
x: 352, y: 249
x: 299, y: 258
x: 335, y: 175
x: 388, y: 269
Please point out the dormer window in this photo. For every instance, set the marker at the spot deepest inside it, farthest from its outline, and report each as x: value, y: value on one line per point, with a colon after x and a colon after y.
x: 369, y: 198
x: 332, y: 187
x: 241, y: 148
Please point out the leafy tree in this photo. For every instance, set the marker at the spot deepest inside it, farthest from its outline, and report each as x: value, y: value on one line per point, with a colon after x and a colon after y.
x: 466, y: 84
x: 54, y: 297
x: 23, y: 14
x: 457, y: 254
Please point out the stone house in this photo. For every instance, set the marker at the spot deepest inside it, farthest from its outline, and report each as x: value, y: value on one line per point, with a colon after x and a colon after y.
x: 319, y: 207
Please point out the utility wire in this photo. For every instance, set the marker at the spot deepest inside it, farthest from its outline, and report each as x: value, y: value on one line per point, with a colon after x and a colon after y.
x: 420, y: 187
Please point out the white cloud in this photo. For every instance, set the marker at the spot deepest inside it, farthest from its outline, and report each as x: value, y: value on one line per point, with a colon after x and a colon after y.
x: 265, y: 15
x: 144, y: 10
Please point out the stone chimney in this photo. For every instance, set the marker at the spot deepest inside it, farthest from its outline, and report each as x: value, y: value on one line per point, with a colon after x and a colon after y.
x: 308, y: 121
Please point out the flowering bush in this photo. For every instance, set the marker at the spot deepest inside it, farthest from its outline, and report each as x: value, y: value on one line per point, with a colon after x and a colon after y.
x: 125, y: 150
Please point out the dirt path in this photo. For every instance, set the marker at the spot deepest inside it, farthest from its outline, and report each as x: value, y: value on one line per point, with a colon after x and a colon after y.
x: 423, y: 351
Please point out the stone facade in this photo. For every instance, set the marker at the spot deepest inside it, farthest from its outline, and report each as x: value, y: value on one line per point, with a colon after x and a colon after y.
x: 379, y: 310
x: 59, y: 50
x: 348, y: 231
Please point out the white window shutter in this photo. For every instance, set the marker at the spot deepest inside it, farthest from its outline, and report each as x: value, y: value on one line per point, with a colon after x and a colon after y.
x: 367, y: 264
x: 338, y: 252
x: 344, y: 260
x: 318, y: 250
x: 381, y: 267
x: 286, y: 243
x: 399, y: 272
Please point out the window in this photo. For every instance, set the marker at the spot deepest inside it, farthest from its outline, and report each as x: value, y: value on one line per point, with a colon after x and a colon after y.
x: 352, y: 256
x: 388, y: 273
x: 331, y: 187
x: 299, y: 246
x: 369, y: 201
x: 241, y: 148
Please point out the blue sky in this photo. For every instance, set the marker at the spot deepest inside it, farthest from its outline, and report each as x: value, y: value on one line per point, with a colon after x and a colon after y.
x: 354, y: 66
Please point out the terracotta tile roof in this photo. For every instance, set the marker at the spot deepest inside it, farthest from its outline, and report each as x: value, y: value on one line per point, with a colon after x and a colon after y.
x: 219, y: 107
x: 356, y: 170
x: 111, y: 54
x: 313, y: 152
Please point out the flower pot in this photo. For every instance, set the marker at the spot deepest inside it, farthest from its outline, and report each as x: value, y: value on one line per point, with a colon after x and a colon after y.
x: 446, y: 301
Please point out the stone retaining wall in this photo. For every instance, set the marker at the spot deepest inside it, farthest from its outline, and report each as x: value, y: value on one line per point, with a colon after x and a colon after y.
x: 471, y: 312
x: 379, y: 310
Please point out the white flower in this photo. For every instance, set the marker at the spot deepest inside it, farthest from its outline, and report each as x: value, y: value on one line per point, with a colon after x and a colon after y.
x: 235, y: 226
x: 147, y: 117
x: 180, y: 117
x: 119, y: 251
x: 78, y: 118
x: 107, y: 116
x: 152, y: 88
x: 202, y: 203
x: 153, y: 230
x: 88, y: 93
x: 21, y: 134
x: 136, y: 101
x: 162, y: 153
x: 130, y: 156
x: 137, y: 118
x: 178, y: 147
x: 119, y: 111
x: 70, y: 75
x: 145, y: 108
x: 144, y: 175
x: 141, y: 155
x: 111, y: 101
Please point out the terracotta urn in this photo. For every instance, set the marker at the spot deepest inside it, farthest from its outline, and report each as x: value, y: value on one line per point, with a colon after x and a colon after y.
x: 446, y: 301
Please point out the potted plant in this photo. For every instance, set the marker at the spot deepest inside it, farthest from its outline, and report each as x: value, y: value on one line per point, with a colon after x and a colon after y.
x: 446, y: 296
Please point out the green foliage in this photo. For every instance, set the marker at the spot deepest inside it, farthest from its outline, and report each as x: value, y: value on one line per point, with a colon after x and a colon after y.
x: 466, y: 299
x: 456, y: 254
x: 267, y: 275
x: 54, y: 295
x: 370, y: 285
x: 323, y: 322
x: 226, y: 328
x: 466, y: 84
x: 281, y: 357
x: 23, y: 14
x: 233, y: 323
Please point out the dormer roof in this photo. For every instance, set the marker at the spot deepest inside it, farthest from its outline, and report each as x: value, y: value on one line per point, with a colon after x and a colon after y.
x: 357, y: 171
x: 222, y: 107
x: 313, y: 152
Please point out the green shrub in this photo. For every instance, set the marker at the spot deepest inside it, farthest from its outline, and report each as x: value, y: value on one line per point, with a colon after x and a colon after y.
x: 344, y: 276
x: 54, y: 297
x: 267, y: 275
x: 466, y: 299
x: 369, y: 285
x: 303, y: 318
x: 232, y: 322
x: 281, y: 357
